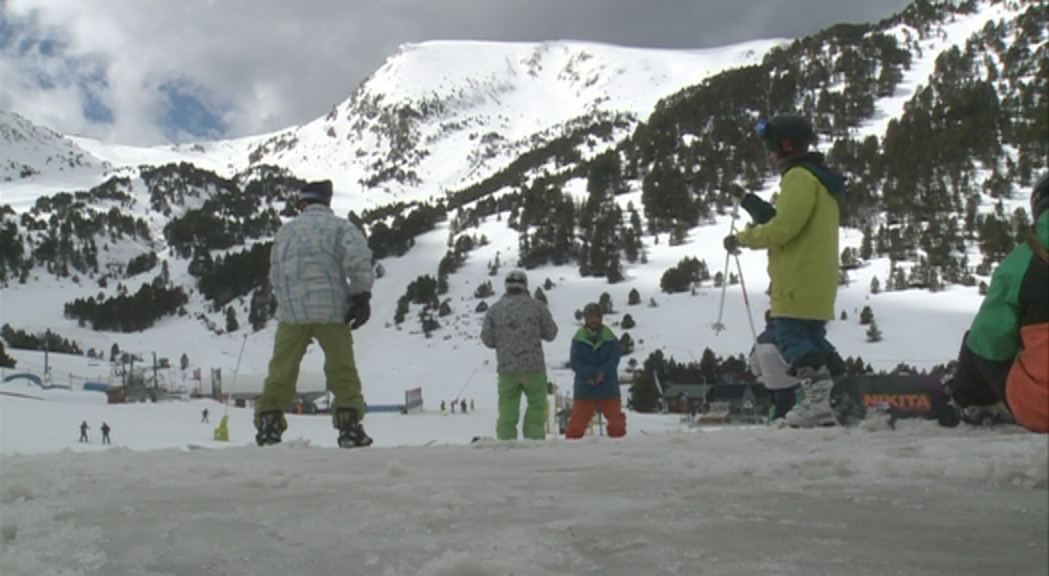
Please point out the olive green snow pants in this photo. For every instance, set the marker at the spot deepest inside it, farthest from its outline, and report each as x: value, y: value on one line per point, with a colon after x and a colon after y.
x: 340, y: 368
x: 511, y: 385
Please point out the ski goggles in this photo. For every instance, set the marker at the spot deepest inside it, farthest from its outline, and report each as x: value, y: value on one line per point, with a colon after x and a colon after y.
x: 763, y: 128
x: 770, y: 143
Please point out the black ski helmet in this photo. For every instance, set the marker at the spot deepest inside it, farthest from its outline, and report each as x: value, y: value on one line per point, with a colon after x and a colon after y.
x: 1040, y: 196
x: 795, y: 129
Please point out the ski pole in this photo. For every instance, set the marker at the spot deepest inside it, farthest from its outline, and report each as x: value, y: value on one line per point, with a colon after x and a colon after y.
x: 746, y: 300
x: 718, y: 326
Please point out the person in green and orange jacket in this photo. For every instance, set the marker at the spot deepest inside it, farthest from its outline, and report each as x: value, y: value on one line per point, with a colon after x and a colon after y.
x: 1003, y: 367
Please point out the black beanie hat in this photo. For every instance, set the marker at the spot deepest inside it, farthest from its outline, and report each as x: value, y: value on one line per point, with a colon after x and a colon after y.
x: 317, y: 192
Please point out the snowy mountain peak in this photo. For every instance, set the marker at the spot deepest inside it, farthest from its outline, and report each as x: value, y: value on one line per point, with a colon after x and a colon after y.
x: 484, y: 102
x: 28, y: 150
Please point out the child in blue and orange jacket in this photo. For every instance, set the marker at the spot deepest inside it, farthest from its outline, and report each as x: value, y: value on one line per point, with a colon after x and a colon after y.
x: 595, y: 361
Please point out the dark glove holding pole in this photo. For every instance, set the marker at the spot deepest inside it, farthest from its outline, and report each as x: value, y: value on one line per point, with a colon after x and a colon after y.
x: 732, y: 244
x: 360, y: 310
x: 737, y: 193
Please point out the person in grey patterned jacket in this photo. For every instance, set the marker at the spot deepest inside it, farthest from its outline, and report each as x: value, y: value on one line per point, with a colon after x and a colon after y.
x: 312, y: 259
x: 515, y: 326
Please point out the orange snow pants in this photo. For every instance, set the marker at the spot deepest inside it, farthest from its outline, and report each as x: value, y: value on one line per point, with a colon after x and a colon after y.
x: 583, y: 412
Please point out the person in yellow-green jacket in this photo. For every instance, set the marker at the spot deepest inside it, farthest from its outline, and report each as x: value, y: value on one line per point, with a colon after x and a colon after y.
x: 801, y: 238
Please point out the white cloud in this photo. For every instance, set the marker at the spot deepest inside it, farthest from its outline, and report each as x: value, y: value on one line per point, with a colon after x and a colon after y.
x: 268, y: 64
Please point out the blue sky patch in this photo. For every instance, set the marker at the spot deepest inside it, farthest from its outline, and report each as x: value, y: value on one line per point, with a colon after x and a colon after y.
x: 188, y: 112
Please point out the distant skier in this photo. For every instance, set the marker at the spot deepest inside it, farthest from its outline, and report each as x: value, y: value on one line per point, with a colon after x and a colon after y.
x: 515, y: 326
x: 204, y: 415
x: 1003, y: 366
x: 105, y: 433
x: 83, y: 431
x: 802, y: 244
x: 321, y: 274
x: 594, y: 358
x: 462, y: 406
x: 444, y: 408
x: 471, y: 405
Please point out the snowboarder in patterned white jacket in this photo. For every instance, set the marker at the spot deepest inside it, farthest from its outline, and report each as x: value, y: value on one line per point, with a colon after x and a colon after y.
x: 515, y: 327
x: 321, y: 274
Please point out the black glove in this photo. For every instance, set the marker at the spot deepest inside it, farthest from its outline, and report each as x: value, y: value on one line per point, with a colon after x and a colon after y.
x: 732, y: 244
x: 360, y: 310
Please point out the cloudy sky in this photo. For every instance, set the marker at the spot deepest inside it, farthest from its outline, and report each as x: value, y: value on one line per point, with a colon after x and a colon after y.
x: 150, y: 72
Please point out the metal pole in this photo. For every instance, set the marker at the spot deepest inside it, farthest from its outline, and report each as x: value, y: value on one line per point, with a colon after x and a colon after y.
x: 719, y: 326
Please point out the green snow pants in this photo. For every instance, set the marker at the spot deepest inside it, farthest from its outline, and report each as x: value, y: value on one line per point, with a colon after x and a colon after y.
x: 340, y: 367
x: 511, y: 385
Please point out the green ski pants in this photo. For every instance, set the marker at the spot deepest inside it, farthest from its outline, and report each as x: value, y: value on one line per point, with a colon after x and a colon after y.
x: 340, y: 367
x: 511, y: 386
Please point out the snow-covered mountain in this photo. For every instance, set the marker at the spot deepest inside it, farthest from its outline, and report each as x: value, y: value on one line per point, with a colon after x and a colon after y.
x: 28, y: 150
x: 442, y: 115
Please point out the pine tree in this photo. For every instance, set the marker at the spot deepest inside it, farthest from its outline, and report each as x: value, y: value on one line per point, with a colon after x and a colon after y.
x: 634, y: 297
x: 540, y: 295
x: 866, y: 316
x: 231, y: 320
x: 708, y: 365
x: 873, y: 333
x: 626, y: 344
x: 5, y: 360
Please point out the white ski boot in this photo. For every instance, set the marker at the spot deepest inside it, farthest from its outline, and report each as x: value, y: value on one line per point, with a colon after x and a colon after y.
x: 814, y: 409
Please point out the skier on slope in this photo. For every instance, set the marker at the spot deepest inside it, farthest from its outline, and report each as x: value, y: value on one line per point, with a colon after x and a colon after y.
x: 802, y: 243
x: 321, y: 273
x: 83, y: 431
x: 515, y: 327
x: 594, y: 358
x: 1003, y: 366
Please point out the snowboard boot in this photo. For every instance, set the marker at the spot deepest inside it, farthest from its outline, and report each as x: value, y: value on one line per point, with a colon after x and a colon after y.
x: 977, y: 414
x: 351, y: 433
x: 270, y: 425
x: 782, y: 402
x: 813, y: 408
x: 991, y: 415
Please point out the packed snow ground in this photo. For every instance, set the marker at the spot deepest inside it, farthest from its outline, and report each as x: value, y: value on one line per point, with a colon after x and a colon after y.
x: 667, y: 499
